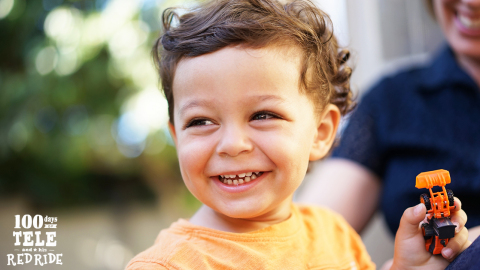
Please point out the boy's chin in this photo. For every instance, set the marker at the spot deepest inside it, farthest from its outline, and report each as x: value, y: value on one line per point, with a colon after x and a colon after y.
x: 243, y: 213
x: 254, y: 213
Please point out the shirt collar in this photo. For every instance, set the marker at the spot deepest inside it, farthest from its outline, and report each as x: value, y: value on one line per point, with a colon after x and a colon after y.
x: 444, y: 71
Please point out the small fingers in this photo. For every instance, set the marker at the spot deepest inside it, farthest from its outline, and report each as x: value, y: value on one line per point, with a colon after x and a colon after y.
x: 410, y: 220
x: 456, y: 245
x: 459, y: 218
x: 457, y: 203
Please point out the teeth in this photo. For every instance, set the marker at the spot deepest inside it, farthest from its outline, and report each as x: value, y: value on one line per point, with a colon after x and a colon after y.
x: 469, y: 23
x: 242, y: 178
x: 242, y: 175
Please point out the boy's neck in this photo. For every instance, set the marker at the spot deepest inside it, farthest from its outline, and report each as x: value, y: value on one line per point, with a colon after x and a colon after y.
x: 207, y: 217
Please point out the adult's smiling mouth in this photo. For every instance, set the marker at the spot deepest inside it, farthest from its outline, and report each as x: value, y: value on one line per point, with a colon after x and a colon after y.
x: 238, y: 179
x: 468, y: 25
x: 469, y: 22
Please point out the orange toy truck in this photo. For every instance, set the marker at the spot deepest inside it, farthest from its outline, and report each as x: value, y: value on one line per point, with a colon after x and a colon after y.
x: 439, y: 229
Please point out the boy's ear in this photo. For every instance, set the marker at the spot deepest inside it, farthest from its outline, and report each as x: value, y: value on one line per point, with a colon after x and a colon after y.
x: 326, y: 132
x: 171, y: 128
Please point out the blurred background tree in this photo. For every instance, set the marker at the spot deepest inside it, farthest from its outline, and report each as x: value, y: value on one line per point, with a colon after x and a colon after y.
x: 81, y: 118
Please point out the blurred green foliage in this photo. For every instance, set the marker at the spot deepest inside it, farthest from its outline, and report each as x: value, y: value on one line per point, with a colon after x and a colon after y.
x: 58, y: 142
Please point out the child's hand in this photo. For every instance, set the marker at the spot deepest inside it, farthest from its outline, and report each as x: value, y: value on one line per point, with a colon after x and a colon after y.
x: 410, y: 249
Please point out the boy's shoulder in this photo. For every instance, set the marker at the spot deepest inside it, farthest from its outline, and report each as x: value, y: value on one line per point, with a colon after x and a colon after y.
x: 312, y: 236
x: 169, y: 242
x: 323, y: 223
x: 328, y: 219
x: 334, y: 236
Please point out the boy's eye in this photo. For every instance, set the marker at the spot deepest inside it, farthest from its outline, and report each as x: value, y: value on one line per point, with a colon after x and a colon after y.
x: 264, y: 116
x: 199, y: 122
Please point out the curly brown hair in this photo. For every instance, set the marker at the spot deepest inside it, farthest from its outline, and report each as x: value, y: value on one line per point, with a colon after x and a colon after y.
x: 217, y: 24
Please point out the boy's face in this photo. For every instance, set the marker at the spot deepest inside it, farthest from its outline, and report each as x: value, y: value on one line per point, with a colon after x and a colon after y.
x: 239, y: 111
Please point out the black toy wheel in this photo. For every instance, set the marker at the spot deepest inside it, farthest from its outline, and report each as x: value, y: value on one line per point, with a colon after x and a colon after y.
x: 450, y: 197
x: 427, y: 230
x: 425, y: 199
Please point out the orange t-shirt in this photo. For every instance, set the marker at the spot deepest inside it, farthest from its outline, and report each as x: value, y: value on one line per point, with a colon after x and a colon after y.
x: 312, y: 238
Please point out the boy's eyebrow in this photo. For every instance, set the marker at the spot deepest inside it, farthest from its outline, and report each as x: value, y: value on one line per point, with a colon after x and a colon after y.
x: 195, y: 103
x: 270, y: 97
x: 208, y: 103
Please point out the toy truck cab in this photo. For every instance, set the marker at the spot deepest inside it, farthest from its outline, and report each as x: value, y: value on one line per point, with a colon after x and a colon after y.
x: 438, y: 203
x: 439, y: 227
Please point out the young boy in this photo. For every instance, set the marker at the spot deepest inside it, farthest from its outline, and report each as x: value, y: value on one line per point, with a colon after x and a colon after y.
x: 255, y: 92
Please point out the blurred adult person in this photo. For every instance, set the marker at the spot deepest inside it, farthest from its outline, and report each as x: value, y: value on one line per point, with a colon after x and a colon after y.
x: 420, y: 119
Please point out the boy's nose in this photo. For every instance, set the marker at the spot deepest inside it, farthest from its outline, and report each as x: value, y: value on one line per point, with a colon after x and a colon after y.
x: 233, y: 142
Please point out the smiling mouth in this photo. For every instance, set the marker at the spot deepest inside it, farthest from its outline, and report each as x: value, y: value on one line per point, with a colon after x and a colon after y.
x: 469, y: 23
x: 243, y: 178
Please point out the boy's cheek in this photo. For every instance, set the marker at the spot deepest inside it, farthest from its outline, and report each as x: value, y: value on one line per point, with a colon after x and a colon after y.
x: 288, y: 146
x: 188, y: 155
x: 192, y: 156
x: 289, y: 153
